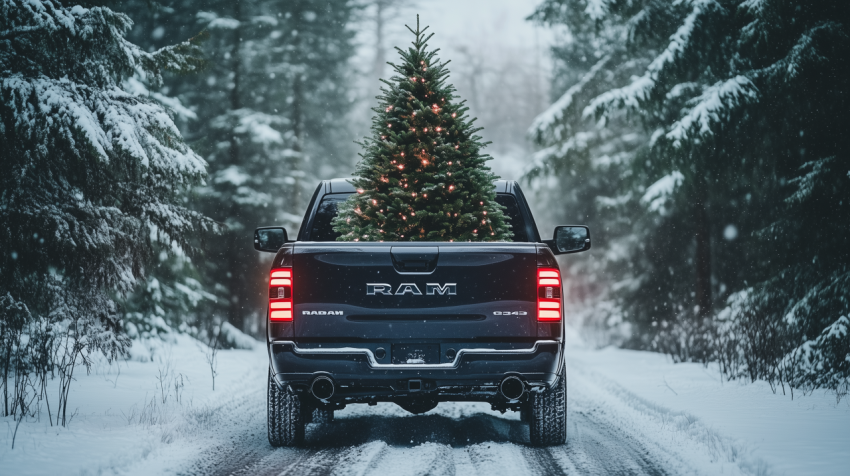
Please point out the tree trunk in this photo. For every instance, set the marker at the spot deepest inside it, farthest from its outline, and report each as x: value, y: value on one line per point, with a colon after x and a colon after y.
x: 703, y: 254
x: 235, y: 258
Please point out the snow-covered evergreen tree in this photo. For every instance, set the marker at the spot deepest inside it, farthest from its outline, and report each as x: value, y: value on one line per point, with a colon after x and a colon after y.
x: 595, y: 164
x: 271, y: 117
x: 742, y: 177
x: 422, y: 176
x: 275, y: 100
x: 92, y: 181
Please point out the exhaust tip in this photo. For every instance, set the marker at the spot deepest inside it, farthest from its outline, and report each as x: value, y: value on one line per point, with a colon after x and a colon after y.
x: 512, y: 388
x: 322, y: 387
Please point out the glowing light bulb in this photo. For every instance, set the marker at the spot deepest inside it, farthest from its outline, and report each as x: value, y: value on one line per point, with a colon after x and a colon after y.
x: 454, y: 114
x: 374, y: 202
x: 359, y: 190
x: 401, y: 167
x: 438, y: 129
x: 457, y: 147
x: 450, y: 163
x: 389, y: 125
x: 485, y: 212
x: 425, y: 130
x: 475, y: 231
x: 402, y: 154
x: 451, y: 187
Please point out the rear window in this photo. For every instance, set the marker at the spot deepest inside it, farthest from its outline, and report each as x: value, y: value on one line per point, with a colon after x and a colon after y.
x: 515, y: 217
x: 323, y: 231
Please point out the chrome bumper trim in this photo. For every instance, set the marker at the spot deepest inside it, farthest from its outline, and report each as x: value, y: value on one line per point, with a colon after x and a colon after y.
x: 375, y: 365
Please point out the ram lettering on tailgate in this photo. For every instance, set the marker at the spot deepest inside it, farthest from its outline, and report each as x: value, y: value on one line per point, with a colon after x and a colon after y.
x: 431, y: 289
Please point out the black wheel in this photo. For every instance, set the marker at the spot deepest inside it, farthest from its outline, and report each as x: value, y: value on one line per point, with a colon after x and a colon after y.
x: 548, y: 415
x: 286, y: 419
x: 322, y: 415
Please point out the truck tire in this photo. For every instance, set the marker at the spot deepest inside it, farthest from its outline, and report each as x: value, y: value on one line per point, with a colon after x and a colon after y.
x: 286, y: 419
x: 322, y: 415
x: 548, y: 415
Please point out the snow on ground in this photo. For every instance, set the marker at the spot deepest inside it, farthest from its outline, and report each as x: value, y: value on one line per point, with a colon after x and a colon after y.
x: 809, y: 434
x: 119, y: 418
x: 633, y: 409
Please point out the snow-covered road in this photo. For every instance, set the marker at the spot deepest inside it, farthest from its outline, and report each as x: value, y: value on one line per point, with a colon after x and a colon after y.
x: 457, y: 438
x: 628, y: 413
x: 606, y: 436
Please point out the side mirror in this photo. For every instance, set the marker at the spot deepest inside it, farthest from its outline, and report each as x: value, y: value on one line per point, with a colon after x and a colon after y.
x: 269, y: 238
x: 570, y: 239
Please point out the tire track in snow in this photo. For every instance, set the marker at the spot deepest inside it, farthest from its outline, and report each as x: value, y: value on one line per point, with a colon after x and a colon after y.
x: 597, y: 447
x: 429, y: 445
x: 542, y: 462
x: 459, y: 439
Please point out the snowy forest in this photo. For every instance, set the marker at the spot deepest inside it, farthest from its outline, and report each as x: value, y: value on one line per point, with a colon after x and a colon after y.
x: 142, y: 141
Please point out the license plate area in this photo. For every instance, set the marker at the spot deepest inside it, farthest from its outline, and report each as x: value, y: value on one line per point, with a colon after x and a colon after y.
x: 416, y: 354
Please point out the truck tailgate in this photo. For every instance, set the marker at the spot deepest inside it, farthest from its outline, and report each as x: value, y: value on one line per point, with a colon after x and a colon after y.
x: 348, y: 292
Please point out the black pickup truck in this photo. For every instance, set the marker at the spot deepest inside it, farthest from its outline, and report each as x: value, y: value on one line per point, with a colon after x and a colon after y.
x: 415, y: 323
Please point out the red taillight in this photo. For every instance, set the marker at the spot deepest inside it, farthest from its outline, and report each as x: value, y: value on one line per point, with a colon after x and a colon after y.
x: 548, y: 294
x: 280, y: 294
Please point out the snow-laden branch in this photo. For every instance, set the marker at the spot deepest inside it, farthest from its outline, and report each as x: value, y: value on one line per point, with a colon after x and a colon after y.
x: 545, y: 124
x: 639, y: 91
x: 713, y: 107
x: 657, y: 195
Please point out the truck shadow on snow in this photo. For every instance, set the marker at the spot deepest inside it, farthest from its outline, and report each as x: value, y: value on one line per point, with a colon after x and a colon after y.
x: 415, y: 430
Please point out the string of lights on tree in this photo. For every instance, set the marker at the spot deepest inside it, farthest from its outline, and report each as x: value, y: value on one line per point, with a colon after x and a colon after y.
x: 422, y: 176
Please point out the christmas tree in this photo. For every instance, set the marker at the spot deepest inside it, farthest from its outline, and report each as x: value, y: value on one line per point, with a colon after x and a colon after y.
x: 422, y: 176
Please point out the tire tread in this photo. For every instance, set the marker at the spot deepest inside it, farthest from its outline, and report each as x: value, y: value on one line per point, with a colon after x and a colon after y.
x: 548, y: 415
x: 285, y: 416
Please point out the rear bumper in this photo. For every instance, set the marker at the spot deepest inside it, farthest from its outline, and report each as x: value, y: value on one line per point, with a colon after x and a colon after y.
x: 474, y: 374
